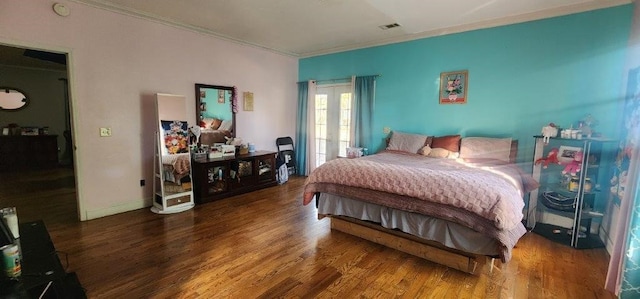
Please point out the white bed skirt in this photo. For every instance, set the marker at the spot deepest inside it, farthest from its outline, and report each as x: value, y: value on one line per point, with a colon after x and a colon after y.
x: 449, y: 234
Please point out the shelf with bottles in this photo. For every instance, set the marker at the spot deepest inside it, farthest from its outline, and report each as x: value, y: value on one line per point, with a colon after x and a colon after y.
x: 216, y: 179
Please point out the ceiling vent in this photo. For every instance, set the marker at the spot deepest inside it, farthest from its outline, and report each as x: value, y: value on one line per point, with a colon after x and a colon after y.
x: 389, y: 26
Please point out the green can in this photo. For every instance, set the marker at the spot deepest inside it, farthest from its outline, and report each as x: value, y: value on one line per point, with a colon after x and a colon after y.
x: 11, y: 261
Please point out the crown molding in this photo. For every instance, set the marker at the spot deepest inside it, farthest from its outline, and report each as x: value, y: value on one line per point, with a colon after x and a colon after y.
x: 544, y: 14
x: 176, y: 24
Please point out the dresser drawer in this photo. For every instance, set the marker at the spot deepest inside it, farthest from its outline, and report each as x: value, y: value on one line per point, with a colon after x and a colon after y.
x: 178, y: 200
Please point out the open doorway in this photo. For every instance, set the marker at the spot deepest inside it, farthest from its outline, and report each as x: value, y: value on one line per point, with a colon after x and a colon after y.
x: 36, y: 148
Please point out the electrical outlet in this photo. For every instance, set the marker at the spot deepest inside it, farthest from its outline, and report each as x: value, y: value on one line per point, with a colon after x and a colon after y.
x: 142, y: 183
x: 386, y: 130
x: 105, y: 132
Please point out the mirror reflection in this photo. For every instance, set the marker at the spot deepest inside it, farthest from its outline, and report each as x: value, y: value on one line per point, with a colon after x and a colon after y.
x: 214, y: 112
x: 12, y: 99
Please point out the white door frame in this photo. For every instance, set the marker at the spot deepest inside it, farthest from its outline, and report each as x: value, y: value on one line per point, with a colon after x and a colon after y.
x: 333, y: 92
x: 72, y: 103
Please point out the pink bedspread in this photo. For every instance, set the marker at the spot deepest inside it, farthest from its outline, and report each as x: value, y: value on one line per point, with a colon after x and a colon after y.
x: 485, y: 195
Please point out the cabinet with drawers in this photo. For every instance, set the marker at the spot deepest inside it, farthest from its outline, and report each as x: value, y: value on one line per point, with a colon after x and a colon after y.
x: 218, y: 178
x: 28, y: 152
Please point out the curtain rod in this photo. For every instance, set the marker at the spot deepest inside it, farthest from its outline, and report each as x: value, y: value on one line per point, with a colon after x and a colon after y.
x: 338, y: 79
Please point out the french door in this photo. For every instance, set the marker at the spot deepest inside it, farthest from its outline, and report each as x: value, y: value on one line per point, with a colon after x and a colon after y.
x: 333, y: 121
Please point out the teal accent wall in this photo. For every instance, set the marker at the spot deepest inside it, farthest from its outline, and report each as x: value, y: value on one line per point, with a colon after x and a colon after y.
x: 521, y: 77
x: 215, y: 109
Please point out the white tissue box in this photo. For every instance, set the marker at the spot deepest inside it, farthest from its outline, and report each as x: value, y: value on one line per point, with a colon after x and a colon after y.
x: 215, y: 154
x: 228, y: 150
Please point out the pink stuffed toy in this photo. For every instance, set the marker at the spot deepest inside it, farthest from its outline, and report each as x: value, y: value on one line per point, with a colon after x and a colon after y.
x: 574, y: 166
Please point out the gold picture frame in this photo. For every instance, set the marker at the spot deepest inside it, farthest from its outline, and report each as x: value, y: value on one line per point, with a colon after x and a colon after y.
x: 454, y: 87
x: 248, y: 101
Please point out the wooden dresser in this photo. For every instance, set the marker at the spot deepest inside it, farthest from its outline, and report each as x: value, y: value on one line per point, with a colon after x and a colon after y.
x: 227, y: 176
x: 23, y: 152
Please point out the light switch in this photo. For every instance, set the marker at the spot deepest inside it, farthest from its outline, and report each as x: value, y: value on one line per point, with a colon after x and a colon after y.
x: 105, y: 132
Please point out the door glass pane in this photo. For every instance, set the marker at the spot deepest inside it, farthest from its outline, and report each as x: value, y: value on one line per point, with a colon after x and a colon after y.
x: 345, y: 123
x: 332, y: 121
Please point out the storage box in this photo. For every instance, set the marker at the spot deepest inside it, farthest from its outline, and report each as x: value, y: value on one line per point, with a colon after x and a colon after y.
x: 228, y: 150
x: 216, y: 151
x: 215, y: 154
x: 354, y: 152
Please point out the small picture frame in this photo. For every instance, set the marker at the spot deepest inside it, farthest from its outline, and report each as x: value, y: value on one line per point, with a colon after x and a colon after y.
x: 567, y: 153
x: 221, y: 96
x: 248, y: 101
x: 453, y: 87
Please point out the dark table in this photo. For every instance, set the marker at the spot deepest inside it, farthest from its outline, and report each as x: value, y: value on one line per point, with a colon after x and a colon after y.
x: 42, y: 272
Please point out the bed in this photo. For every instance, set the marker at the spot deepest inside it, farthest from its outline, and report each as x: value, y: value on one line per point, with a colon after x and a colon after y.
x: 214, y: 130
x: 176, y: 169
x: 451, y: 200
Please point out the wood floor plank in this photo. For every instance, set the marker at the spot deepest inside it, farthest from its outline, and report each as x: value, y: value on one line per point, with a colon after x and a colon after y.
x: 265, y: 244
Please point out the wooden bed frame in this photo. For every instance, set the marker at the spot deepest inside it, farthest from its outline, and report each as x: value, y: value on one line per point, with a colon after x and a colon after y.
x: 428, y: 250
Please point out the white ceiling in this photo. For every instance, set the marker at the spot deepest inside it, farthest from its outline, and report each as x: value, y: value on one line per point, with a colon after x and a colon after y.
x: 306, y: 28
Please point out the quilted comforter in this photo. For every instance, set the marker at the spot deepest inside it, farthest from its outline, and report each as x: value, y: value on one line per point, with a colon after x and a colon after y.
x: 484, y: 195
x: 176, y: 166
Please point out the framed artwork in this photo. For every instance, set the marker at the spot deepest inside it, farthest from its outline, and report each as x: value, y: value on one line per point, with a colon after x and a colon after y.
x: 453, y: 87
x: 175, y: 135
x: 221, y: 96
x: 248, y: 101
x: 567, y: 153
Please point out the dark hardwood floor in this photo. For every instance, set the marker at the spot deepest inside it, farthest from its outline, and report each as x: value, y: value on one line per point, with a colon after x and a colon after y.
x: 265, y: 244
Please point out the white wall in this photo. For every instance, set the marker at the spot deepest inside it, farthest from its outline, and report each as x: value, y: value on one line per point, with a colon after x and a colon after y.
x: 117, y: 63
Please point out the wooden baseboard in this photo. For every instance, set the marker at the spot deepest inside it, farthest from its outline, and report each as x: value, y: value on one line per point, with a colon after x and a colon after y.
x: 429, y: 250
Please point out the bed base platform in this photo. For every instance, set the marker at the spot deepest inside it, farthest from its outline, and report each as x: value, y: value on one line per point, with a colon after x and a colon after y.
x: 428, y: 250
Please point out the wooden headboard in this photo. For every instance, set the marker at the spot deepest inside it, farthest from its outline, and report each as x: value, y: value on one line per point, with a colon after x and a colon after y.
x: 513, y: 154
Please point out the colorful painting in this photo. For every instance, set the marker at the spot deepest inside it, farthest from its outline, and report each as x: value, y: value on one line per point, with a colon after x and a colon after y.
x: 453, y: 87
x: 176, y: 136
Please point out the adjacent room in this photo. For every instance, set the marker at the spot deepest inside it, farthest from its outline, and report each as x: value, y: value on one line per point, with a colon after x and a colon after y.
x: 327, y: 148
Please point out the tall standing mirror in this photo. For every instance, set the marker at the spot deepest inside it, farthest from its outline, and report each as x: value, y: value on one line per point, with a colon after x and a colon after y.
x: 172, y: 170
x: 215, y: 113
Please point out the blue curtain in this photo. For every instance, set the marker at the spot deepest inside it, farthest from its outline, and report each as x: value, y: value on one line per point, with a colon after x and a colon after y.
x: 301, y: 128
x: 364, y: 95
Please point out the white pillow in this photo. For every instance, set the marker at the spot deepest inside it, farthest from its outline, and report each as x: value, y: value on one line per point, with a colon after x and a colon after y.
x: 438, y: 152
x: 485, y: 148
x: 410, y: 143
x: 225, y: 125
